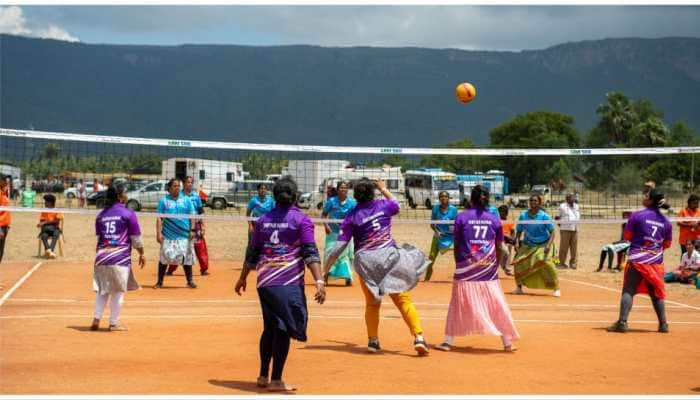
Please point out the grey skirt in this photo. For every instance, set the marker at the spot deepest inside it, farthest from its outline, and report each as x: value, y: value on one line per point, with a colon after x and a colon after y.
x: 177, y: 252
x: 391, y: 269
x: 109, y: 279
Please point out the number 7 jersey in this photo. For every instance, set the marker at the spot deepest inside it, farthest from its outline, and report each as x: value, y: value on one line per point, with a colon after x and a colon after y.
x: 648, y: 230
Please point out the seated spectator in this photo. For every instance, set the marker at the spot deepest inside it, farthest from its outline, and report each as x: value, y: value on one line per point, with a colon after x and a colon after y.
x: 618, y: 248
x: 50, y: 226
x: 690, y: 264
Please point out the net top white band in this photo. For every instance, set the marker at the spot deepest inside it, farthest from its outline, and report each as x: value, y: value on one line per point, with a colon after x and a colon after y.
x: 237, y: 218
x: 344, y: 149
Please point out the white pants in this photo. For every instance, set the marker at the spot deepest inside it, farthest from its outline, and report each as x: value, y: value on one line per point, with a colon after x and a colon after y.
x: 115, y: 306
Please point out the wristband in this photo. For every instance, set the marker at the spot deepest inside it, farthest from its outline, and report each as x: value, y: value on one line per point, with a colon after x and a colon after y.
x: 321, y: 281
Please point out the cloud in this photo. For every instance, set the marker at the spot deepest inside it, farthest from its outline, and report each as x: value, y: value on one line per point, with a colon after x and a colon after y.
x: 13, y: 21
x: 454, y: 26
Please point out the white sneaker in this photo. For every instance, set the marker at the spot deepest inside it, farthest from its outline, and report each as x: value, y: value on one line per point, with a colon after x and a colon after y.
x: 52, y: 255
x: 518, y: 290
x: 557, y: 293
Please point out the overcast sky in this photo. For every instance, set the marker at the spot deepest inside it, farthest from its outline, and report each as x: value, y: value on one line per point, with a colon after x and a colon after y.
x: 466, y: 27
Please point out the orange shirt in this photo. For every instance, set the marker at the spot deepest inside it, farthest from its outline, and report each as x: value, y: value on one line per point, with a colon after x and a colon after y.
x: 5, y: 217
x: 508, y: 227
x: 686, y: 231
x: 50, y: 216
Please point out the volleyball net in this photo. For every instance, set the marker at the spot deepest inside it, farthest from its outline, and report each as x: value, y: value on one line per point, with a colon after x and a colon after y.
x: 75, y: 169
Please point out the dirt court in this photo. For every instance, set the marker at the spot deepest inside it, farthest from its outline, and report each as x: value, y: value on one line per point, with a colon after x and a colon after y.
x: 205, y: 341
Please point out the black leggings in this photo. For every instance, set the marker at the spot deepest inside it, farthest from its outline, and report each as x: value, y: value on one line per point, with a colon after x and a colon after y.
x: 162, y: 268
x: 632, y: 280
x: 274, y: 346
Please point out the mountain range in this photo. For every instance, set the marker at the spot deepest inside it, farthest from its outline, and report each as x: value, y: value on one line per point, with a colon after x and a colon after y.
x: 331, y: 96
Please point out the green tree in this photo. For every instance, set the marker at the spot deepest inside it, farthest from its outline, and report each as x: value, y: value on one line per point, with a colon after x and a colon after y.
x: 542, y: 129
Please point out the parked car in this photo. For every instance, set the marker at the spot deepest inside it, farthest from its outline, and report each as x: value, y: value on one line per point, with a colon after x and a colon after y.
x: 72, y: 192
x: 147, y: 196
x: 97, y: 198
x: 237, y: 196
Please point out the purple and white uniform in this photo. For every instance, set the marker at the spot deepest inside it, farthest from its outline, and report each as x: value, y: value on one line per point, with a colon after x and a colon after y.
x: 647, y: 230
x: 283, y: 241
x: 114, y: 227
x: 369, y: 224
x: 477, y: 233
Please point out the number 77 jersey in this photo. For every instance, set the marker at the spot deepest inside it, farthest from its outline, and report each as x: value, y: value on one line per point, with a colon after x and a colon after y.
x: 477, y: 234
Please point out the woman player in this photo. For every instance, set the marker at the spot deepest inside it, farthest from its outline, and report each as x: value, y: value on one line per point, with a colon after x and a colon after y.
x: 383, y: 267
x: 649, y: 233
x: 117, y: 232
x: 283, y: 241
x: 478, y: 305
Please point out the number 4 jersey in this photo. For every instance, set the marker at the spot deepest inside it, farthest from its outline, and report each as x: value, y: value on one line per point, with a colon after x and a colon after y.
x: 369, y: 224
x: 114, y: 227
x: 282, y: 243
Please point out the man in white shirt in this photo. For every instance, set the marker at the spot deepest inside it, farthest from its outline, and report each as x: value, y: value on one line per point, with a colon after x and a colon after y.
x: 568, y: 211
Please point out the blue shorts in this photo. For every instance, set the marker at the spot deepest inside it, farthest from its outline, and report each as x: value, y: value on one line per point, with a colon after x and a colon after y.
x: 284, y: 308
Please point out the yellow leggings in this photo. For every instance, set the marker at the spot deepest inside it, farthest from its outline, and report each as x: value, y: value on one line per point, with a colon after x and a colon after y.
x: 403, y: 303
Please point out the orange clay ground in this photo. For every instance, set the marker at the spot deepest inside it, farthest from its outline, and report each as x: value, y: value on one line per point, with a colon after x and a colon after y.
x: 204, y: 341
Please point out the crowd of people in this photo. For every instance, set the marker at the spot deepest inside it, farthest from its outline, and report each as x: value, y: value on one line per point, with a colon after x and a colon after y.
x: 281, y: 243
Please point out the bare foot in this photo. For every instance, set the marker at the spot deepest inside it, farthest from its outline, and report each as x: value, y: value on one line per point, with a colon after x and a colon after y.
x: 279, y: 386
x: 509, y: 349
x: 262, y: 381
x: 95, y: 324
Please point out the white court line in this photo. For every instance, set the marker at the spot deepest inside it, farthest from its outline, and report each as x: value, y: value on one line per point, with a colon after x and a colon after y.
x: 347, y: 302
x: 353, y: 317
x: 620, y: 290
x: 19, y: 283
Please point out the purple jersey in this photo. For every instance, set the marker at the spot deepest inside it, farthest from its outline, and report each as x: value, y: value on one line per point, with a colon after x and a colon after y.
x: 113, y: 227
x: 370, y: 225
x: 649, y: 230
x: 278, y: 238
x: 477, y: 232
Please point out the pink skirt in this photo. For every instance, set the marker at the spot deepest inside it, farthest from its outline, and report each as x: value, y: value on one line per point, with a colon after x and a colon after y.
x: 479, y: 308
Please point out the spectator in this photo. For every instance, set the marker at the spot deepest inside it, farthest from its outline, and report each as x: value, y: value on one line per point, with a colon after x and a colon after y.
x: 689, y: 229
x: 618, y: 248
x: 690, y: 264
x: 568, y: 242
x: 5, y: 217
x: 508, y: 240
x: 82, y: 194
x: 50, y: 226
x: 28, y: 195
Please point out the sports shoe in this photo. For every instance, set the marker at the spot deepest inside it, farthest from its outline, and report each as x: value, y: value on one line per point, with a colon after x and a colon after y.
x: 205, y: 273
x: 191, y: 285
x: 373, y: 346
x: 663, y: 327
x: 518, y: 290
x: 420, y: 346
x: 158, y: 285
x: 170, y: 273
x: 618, y: 326
x: 557, y: 293
x: 443, y: 347
x: 572, y: 266
x: 562, y: 266
x: 52, y: 255
x: 95, y: 324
